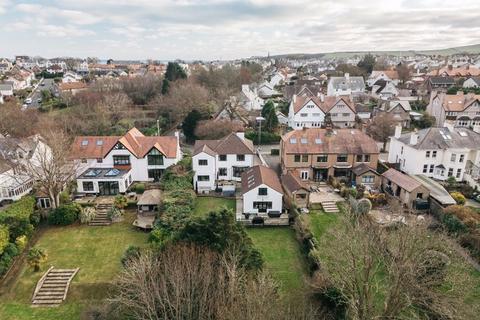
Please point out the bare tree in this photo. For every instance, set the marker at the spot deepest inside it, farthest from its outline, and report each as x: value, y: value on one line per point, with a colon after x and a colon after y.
x: 50, y: 166
x: 382, y: 127
x: 216, y: 129
x: 392, y: 273
x: 188, y: 282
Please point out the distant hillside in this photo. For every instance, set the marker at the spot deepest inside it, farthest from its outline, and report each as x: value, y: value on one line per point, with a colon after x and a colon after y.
x: 472, y: 49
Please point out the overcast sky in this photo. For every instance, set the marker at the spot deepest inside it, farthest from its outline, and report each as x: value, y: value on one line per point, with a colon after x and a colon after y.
x: 226, y: 29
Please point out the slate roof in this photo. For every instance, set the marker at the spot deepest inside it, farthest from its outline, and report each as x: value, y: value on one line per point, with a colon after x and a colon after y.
x: 441, y: 81
x: 326, y: 105
x: 362, y: 168
x: 402, y: 180
x: 443, y: 138
x: 352, y: 83
x: 258, y: 175
x: 325, y: 141
x: 138, y: 144
x: 231, y: 144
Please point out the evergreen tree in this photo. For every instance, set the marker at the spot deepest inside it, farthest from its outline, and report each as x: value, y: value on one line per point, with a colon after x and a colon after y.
x: 190, y: 123
x: 165, y: 86
x: 367, y: 63
x: 174, y: 72
x: 271, y: 120
x: 267, y: 107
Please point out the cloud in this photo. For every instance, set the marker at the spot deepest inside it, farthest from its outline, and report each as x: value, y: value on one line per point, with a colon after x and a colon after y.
x: 221, y: 29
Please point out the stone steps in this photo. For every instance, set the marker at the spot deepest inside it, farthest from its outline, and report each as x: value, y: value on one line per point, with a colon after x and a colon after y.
x: 52, y: 288
x: 101, y: 217
x: 329, y: 206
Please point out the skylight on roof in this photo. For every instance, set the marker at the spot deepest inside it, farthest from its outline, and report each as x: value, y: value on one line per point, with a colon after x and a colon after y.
x: 303, y: 141
x: 463, y: 133
x: 99, y: 142
x: 293, y: 140
x: 84, y: 142
x: 92, y: 173
x: 318, y: 141
x: 112, y: 173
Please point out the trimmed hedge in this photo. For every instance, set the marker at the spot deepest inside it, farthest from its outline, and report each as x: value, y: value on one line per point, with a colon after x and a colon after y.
x: 266, y: 137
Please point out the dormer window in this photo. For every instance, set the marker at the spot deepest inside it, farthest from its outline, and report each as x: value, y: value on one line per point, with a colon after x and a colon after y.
x: 303, y: 141
x: 84, y: 143
x: 293, y: 140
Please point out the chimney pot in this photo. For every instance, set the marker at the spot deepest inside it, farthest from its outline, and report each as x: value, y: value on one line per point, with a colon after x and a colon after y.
x: 398, y: 131
x: 414, y: 138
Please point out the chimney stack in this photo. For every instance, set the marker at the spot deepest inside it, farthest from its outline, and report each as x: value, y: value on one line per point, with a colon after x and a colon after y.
x: 294, y: 99
x: 347, y: 76
x: 414, y: 138
x: 398, y: 131
x: 240, y: 134
x: 322, y: 97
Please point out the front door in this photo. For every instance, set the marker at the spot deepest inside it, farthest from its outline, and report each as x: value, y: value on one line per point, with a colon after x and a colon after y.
x: 108, y: 188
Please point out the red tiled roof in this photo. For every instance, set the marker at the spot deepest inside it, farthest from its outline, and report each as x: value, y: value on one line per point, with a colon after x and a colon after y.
x: 258, y: 175
x: 138, y: 144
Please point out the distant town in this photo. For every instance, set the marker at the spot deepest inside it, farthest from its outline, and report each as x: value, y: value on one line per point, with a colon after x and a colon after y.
x: 327, y: 186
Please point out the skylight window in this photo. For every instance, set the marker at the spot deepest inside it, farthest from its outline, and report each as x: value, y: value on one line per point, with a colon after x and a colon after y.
x: 462, y: 133
x: 293, y: 140
x: 318, y: 141
x: 112, y: 173
x: 303, y: 141
x: 99, y: 142
x: 92, y: 173
x: 84, y: 142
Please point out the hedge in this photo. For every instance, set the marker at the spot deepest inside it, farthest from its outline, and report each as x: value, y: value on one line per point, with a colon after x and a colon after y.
x: 17, y: 217
x: 266, y: 137
x: 65, y: 214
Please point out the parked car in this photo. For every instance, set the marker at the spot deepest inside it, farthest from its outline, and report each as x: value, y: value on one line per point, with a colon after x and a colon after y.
x: 28, y: 100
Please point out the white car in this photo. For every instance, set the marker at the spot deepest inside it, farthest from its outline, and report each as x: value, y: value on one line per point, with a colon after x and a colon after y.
x: 28, y: 100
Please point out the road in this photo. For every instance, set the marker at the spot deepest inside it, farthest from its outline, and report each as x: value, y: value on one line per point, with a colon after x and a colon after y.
x: 45, y: 84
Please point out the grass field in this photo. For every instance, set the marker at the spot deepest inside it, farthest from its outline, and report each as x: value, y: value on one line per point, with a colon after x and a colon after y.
x: 95, y: 250
x: 282, y: 256
x: 204, y: 205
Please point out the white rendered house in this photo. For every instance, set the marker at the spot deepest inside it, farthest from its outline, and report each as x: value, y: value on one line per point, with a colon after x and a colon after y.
x: 218, y: 162
x: 108, y: 165
x: 13, y: 153
x: 309, y: 112
x: 438, y: 153
x: 262, y: 192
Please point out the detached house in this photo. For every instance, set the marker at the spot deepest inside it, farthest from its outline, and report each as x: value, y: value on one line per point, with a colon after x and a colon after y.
x: 218, y: 163
x: 346, y: 85
x: 473, y: 82
x: 310, y: 111
x: 262, y: 193
x: 316, y: 154
x: 399, y: 109
x: 458, y: 109
x: 249, y: 98
x: 438, y: 153
x: 382, y: 89
x: 107, y: 165
x: 440, y: 83
x: 13, y: 153
x: 385, y: 75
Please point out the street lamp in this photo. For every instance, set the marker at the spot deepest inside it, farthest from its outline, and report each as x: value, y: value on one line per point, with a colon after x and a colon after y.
x: 259, y: 121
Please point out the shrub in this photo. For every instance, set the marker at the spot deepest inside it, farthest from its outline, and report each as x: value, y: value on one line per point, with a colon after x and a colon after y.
x: 120, y: 202
x: 458, y: 197
x: 377, y: 199
x: 139, y: 188
x: 132, y: 252
x: 6, y: 259
x: 471, y: 241
x: 21, y: 242
x: 87, y: 214
x: 36, y: 257
x: 114, y: 213
x: 348, y: 192
x: 466, y: 215
x: 363, y: 206
x: 453, y: 224
x: 35, y: 218
x: 360, y: 191
x: 17, y: 217
x: 65, y: 198
x: 64, y: 215
x: 4, y: 237
x: 266, y: 137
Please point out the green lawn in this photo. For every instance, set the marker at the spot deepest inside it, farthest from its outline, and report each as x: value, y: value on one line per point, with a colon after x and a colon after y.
x: 95, y: 250
x: 204, y: 205
x: 282, y: 256
x: 320, y: 222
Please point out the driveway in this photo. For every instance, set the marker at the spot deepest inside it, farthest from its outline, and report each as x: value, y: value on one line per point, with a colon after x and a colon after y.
x: 272, y: 161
